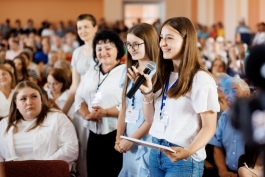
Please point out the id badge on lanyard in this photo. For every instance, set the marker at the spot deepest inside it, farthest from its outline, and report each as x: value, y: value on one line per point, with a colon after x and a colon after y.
x: 96, y: 98
x: 132, y: 115
x: 161, y: 122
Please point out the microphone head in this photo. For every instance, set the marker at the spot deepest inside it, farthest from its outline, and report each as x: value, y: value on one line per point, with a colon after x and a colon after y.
x: 151, y: 65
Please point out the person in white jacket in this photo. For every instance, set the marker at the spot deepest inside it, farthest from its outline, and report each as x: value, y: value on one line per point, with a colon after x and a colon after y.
x: 33, y: 131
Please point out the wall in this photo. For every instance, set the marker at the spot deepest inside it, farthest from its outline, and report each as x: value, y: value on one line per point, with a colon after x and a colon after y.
x: 52, y: 10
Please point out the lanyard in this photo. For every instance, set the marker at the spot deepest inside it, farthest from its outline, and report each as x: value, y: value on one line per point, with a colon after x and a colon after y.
x: 133, y: 98
x: 164, y: 96
x: 100, y: 83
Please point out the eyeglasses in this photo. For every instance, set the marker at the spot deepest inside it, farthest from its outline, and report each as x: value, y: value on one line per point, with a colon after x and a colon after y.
x: 134, y: 46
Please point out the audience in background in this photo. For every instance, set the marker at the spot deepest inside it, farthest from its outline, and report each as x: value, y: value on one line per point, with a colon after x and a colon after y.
x: 228, y: 142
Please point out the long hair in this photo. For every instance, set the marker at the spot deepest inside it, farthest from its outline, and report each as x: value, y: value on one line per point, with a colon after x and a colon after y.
x: 15, y: 115
x: 12, y: 64
x: 252, y: 152
x: 13, y: 81
x: 24, y: 69
x: 189, y: 64
x: 149, y: 35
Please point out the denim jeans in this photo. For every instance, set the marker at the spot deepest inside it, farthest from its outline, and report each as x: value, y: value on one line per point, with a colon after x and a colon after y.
x: 161, y: 166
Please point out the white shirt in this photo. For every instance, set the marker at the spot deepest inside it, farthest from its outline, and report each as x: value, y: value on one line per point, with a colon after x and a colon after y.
x: 184, y: 120
x: 111, y: 96
x: 24, y: 146
x: 60, y: 101
x: 5, y: 103
x: 55, y: 140
x: 11, y: 54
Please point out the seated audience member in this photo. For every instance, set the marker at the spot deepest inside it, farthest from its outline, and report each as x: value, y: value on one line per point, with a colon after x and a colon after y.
x: 32, y: 65
x: 7, y: 84
x: 53, y: 57
x: 21, y: 68
x: 66, y: 66
x: 9, y: 64
x: 253, y: 162
x: 220, y: 78
x: 32, y: 73
x: 58, y: 84
x: 14, y: 49
x: 34, y: 131
x: 228, y: 142
x: 218, y: 66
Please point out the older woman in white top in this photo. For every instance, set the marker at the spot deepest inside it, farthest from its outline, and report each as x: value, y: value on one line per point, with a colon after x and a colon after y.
x: 97, y: 99
x: 32, y: 131
x: 183, y: 107
x: 7, y: 84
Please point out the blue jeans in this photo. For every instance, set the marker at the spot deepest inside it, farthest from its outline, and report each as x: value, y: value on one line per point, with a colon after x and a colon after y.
x: 161, y: 166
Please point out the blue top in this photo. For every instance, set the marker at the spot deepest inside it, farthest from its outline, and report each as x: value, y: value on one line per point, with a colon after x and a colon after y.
x: 230, y: 139
x: 40, y: 57
x: 136, y: 160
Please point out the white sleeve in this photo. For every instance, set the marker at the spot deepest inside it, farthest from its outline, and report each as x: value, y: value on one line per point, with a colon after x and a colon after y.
x: 79, y: 95
x: 67, y: 140
x: 204, y: 94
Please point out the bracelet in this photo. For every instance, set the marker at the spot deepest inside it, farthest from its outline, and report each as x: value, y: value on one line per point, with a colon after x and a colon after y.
x: 188, y: 152
x: 147, y: 92
x: 145, y: 102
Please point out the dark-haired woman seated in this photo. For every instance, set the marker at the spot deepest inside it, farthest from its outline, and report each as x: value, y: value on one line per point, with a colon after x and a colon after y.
x: 33, y: 131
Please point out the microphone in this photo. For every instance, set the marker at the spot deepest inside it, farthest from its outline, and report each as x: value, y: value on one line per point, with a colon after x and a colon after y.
x: 150, y: 66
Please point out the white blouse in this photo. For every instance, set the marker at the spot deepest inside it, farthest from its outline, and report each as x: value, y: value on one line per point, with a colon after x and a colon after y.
x: 184, y: 122
x: 55, y: 139
x: 60, y: 101
x: 111, y: 93
x: 5, y: 103
x: 24, y: 146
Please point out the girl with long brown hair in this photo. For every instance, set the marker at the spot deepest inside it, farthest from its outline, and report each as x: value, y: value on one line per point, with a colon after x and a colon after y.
x: 180, y: 102
x: 142, y: 47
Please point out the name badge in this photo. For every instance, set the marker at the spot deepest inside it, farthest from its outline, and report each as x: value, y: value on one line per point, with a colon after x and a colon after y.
x: 159, y: 126
x: 131, y: 116
x: 96, y: 98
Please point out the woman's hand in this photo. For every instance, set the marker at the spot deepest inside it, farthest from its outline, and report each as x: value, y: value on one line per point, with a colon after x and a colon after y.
x: 97, y: 113
x: 133, y: 74
x: 180, y: 153
x: 125, y: 145
x: 117, y: 147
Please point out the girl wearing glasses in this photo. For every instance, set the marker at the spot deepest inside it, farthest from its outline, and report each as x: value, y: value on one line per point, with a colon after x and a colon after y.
x: 182, y: 107
x: 142, y: 47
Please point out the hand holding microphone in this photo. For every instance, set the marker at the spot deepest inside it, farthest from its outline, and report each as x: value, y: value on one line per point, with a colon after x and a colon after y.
x: 141, y: 78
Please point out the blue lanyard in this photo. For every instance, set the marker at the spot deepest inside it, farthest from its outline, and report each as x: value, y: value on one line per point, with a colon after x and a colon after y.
x: 164, y: 96
x: 133, y: 98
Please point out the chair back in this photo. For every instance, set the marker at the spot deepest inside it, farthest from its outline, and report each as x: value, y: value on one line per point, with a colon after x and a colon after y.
x: 35, y: 168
